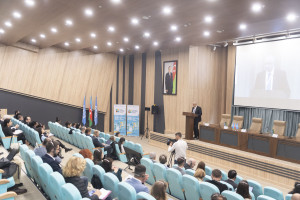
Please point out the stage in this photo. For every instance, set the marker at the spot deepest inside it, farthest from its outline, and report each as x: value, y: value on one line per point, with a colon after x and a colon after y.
x: 264, y: 169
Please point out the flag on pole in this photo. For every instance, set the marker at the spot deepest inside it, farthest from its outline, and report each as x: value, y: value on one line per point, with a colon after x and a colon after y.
x: 83, y: 113
x: 96, y: 113
x: 90, y: 113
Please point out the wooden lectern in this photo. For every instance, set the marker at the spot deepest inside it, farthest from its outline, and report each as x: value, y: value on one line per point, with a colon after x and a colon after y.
x: 189, y: 125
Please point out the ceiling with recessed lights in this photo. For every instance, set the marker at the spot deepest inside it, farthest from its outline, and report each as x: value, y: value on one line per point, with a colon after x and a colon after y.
x: 127, y: 26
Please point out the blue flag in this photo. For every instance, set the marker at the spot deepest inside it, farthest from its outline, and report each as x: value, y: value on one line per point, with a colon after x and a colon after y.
x: 83, y: 113
x: 96, y: 113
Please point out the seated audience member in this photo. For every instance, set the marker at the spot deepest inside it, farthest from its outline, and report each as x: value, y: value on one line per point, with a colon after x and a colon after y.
x: 295, y: 196
x: 52, y: 151
x: 216, y: 177
x: 231, y: 178
x: 199, y: 174
x: 72, y: 171
x: 121, y: 145
x: 88, y: 132
x: 27, y: 120
x: 41, y: 150
x: 7, y: 125
x: 33, y: 124
x: 110, y: 140
x: 68, y: 124
x: 20, y: 118
x: 163, y: 160
x: 243, y: 190
x: 98, y: 157
x: 180, y: 167
x: 97, y: 143
x: 139, y: 179
x: 158, y: 190
x: 86, y: 153
x: 218, y: 196
x: 296, y: 188
x: 82, y: 129
x: 108, y: 167
x: 201, y: 165
x: 78, y: 126
x: 117, y: 134
x: 74, y: 125
x: 152, y: 156
x: 190, y: 164
x: 17, y: 113
x: 57, y: 121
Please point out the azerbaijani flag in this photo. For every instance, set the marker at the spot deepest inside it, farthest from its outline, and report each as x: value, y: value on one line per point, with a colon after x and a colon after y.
x: 174, y: 78
x: 96, y: 113
x: 83, y: 113
x: 90, y: 113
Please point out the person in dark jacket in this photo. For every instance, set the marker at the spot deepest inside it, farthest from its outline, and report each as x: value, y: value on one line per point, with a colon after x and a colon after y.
x: 97, y: 143
x: 108, y: 167
x: 216, y: 177
x: 9, y: 132
x: 231, y: 178
x: 72, y: 171
x: 52, y: 151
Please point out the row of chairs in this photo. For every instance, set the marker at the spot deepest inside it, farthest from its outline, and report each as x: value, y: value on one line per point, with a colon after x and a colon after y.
x: 31, y: 135
x: 4, y: 185
x: 6, y: 141
x: 187, y: 187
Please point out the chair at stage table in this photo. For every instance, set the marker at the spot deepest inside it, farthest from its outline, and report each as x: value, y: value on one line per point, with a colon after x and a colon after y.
x: 238, y: 120
x: 225, y: 118
x: 256, y: 125
x: 279, y: 127
x: 298, y: 132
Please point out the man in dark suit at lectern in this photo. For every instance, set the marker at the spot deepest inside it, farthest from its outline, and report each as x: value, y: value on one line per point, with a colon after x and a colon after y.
x: 198, y: 111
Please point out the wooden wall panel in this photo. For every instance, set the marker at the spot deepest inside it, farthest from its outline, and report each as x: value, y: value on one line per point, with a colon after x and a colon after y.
x: 126, y: 80
x: 149, y: 95
x: 137, y: 84
x: 120, y: 79
x: 230, y: 77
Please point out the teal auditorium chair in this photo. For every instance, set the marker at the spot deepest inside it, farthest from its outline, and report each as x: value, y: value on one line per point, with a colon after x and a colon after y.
x: 44, y: 172
x: 99, y: 172
x: 191, y: 187
x: 252, y: 196
x: 36, y: 161
x: 10, y: 179
x: 288, y: 197
x: 190, y: 172
x: 121, y: 156
x: 206, y: 178
x: 69, y: 191
x: 257, y: 189
x: 232, y: 195
x: 144, y: 196
x: 78, y: 155
x: 149, y: 167
x: 224, y: 175
x: 238, y: 179
x: 138, y: 148
x: 23, y: 149
x: 159, y: 172
x: 174, y: 178
x: 5, y: 140
x: 273, y: 192
x: 117, y: 139
x: 264, y: 197
x: 88, y: 171
x: 229, y: 186
x: 208, y: 189
x: 28, y: 155
x: 111, y: 183
x: 208, y: 170
x: 57, y: 181
x: 126, y: 191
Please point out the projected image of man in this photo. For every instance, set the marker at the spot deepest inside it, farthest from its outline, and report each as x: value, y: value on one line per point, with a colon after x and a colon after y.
x: 271, y: 82
x: 169, y: 81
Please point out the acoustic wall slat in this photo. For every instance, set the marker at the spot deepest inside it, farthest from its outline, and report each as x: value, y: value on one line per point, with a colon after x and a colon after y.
x: 230, y: 77
x: 149, y: 96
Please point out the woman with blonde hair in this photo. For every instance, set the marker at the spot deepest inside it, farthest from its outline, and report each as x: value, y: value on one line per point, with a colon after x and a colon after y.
x: 158, y: 190
x: 199, y: 174
x: 72, y: 173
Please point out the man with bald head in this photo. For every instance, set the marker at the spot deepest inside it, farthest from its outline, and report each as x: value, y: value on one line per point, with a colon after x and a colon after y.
x: 190, y: 164
x: 296, y: 196
x: 198, y: 111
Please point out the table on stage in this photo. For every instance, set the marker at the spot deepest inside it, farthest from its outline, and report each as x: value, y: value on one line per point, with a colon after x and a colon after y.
x: 280, y: 147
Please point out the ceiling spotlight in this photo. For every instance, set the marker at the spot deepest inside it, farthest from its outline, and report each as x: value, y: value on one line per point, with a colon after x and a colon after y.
x: 69, y: 22
x: 226, y: 44
x: 2, y: 31
x: 243, y: 26
x: 42, y: 36
x: 111, y: 29
x: 88, y: 12
x: 122, y: 50
x: 146, y: 34
x: 155, y: 43
x: 256, y: 7
x: 78, y: 40
x: 167, y: 10
x: 67, y: 44
x: 109, y: 43
x: 126, y: 39
x: 29, y: 2
x: 208, y: 19
x: 137, y: 47
x: 116, y: 1
x: 17, y: 15
x: 33, y: 40
x: 93, y: 35
x: 8, y: 24
x: 95, y: 47
x: 173, y: 27
x: 53, y: 30
x: 206, y: 33
x: 178, y: 39
x: 214, y: 48
x: 291, y: 17
x: 134, y: 21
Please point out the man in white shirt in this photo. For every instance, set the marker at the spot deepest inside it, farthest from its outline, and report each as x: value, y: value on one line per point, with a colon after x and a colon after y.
x: 180, y: 147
